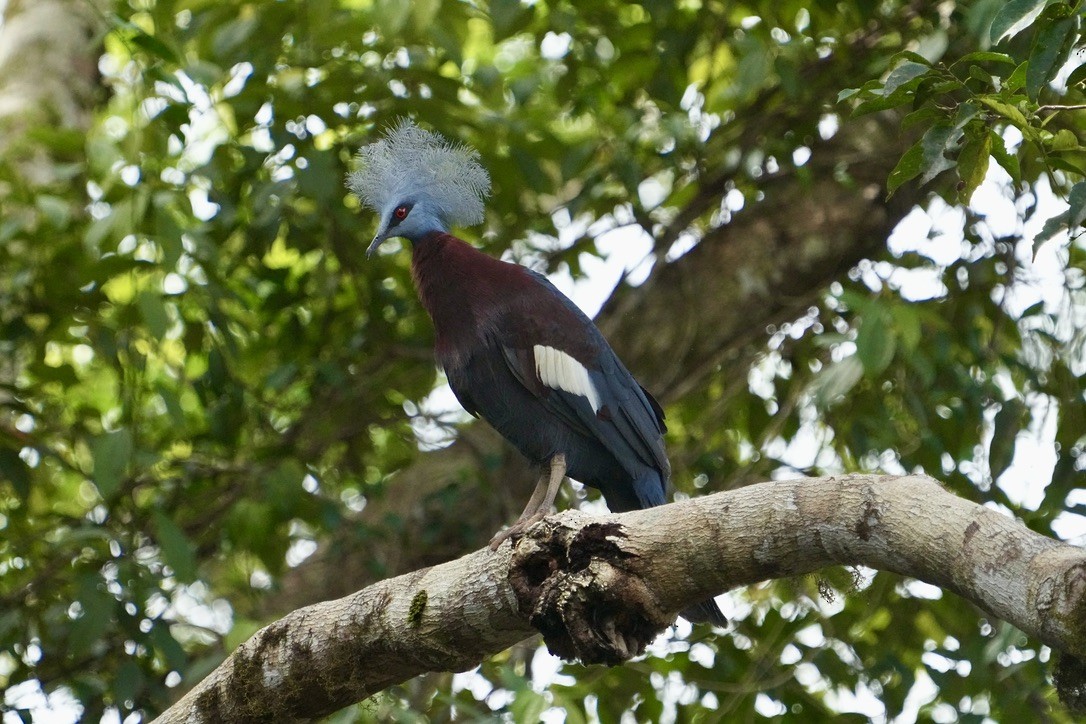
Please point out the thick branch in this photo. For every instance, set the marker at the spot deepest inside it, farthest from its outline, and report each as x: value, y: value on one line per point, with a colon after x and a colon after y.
x: 601, y: 587
x: 764, y: 266
x: 326, y: 656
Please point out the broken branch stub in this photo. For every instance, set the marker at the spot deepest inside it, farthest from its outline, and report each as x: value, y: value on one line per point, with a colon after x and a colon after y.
x: 581, y: 589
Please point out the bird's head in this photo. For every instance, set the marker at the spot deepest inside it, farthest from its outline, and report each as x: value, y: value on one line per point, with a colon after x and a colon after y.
x: 419, y: 183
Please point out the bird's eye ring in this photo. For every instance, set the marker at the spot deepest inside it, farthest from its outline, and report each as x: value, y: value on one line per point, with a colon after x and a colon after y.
x: 400, y: 212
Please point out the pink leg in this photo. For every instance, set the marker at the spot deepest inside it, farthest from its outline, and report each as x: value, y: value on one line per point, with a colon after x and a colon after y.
x: 546, y: 490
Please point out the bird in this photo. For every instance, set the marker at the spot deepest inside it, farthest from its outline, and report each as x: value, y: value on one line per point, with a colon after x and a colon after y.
x: 515, y: 350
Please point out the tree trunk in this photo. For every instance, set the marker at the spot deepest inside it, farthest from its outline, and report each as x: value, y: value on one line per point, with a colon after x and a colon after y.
x: 48, y: 75
x: 48, y: 80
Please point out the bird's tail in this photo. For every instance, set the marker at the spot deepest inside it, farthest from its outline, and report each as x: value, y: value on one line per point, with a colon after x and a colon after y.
x: 705, y: 612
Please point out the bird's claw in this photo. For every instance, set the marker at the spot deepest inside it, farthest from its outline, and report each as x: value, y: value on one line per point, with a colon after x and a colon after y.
x: 515, y: 531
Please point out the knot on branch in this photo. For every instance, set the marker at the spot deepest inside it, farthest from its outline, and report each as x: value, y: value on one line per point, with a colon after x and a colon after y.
x: 579, y: 587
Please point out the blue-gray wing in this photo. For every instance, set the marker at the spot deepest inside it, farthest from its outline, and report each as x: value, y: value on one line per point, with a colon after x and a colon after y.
x: 612, y: 408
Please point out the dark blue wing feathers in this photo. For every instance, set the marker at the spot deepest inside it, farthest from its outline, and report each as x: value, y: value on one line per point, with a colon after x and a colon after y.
x: 465, y: 401
x: 629, y: 423
x: 564, y: 405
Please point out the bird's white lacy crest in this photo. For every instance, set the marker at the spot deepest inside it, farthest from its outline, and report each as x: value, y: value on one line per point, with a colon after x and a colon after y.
x: 559, y: 371
x: 411, y: 163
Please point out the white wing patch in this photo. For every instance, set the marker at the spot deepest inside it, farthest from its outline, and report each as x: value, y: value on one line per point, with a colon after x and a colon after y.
x: 559, y: 371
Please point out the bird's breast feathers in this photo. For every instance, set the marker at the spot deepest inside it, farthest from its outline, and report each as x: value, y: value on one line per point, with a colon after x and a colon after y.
x: 560, y: 371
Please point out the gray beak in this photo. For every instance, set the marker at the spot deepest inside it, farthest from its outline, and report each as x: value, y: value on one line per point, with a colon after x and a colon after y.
x: 374, y: 244
x: 378, y: 239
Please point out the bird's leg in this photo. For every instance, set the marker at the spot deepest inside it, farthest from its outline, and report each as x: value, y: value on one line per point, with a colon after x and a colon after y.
x: 558, y: 471
x: 529, y: 512
x: 536, y: 501
x: 546, y: 490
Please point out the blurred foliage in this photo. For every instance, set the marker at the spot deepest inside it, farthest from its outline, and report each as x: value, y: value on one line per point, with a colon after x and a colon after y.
x: 200, y: 377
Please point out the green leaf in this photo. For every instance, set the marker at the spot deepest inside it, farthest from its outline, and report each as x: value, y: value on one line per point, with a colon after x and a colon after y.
x: 979, y: 74
x: 1064, y: 140
x: 1070, y: 219
x: 508, y: 17
x: 835, y: 380
x: 1014, y: 17
x: 922, y: 116
x: 973, y: 164
x: 985, y: 56
x: 97, y: 231
x: 167, y: 645
x: 56, y: 210
x: 914, y: 57
x: 1062, y: 163
x: 423, y: 13
x: 907, y: 325
x: 528, y: 705
x: 1053, y: 226
x: 204, y: 72
x: 1017, y: 80
x: 1050, y: 49
x: 128, y: 682
x: 15, y: 471
x: 1008, y: 422
x: 112, y: 452
x: 876, y: 341
x: 156, y: 47
x: 1004, y: 158
x: 899, y: 88
x: 173, y: 403
x: 570, y: 706
x: 755, y: 65
x: 939, y: 138
x: 234, y: 34
x: 177, y: 550
x: 1006, y: 110
x: 65, y: 140
x: 153, y: 311
x: 878, y: 103
x: 902, y: 74
x: 1077, y: 77
x: 1033, y: 309
x: 908, y: 167
x: 94, y: 620
x: 966, y: 112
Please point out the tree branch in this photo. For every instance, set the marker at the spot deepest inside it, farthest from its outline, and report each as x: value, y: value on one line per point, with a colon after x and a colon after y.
x: 600, y: 588
x: 764, y: 266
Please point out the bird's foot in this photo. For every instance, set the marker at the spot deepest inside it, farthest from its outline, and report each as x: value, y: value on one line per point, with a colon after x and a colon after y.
x: 515, y: 531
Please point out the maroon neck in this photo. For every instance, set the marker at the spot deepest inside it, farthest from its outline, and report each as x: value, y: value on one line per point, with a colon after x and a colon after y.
x: 463, y: 289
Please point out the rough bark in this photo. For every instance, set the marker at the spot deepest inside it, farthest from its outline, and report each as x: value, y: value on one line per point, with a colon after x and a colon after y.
x: 767, y: 265
x: 601, y: 588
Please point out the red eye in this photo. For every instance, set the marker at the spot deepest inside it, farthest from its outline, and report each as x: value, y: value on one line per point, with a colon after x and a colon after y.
x: 400, y: 212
